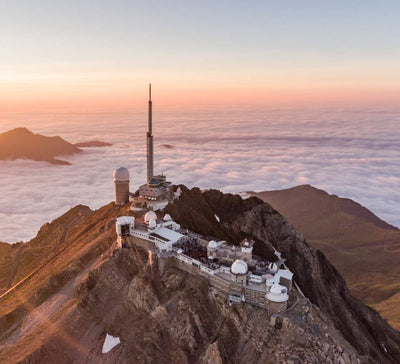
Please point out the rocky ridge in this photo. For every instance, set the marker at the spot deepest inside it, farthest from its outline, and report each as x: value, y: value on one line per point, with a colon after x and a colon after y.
x: 162, y: 314
x: 362, y: 326
x: 362, y: 247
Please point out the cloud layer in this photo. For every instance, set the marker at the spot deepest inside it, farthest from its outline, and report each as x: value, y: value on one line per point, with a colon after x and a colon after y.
x: 352, y: 153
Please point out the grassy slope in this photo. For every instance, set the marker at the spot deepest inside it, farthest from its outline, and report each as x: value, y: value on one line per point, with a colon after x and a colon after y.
x: 364, y: 248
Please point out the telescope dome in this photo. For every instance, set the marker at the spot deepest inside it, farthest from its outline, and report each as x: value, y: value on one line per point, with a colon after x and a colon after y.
x: 121, y: 174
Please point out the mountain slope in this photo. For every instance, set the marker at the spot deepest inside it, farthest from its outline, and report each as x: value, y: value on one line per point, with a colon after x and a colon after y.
x: 82, y: 290
x: 365, y: 249
x: 4, y: 249
x: 20, y: 143
x: 317, y: 278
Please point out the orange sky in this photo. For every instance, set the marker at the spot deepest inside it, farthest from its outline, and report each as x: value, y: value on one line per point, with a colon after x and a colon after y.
x: 103, y: 97
x: 72, y: 55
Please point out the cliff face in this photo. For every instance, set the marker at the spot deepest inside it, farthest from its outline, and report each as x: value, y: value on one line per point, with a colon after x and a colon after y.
x: 317, y: 278
x: 161, y: 314
x: 170, y: 316
x: 365, y: 249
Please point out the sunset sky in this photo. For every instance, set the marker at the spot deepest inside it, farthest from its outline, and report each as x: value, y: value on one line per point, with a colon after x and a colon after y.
x: 102, y: 54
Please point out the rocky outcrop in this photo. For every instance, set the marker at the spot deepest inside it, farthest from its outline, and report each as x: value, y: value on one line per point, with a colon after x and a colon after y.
x: 318, y: 279
x: 162, y: 314
x: 171, y: 316
x: 362, y: 247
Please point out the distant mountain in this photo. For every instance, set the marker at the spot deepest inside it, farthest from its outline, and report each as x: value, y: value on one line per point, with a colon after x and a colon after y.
x: 364, y: 248
x: 92, y: 143
x: 20, y: 143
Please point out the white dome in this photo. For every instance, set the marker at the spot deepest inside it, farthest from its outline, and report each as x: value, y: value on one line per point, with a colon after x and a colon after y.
x: 121, y: 174
x: 239, y: 267
x: 152, y: 224
x: 273, y: 267
x: 167, y: 217
x: 212, y: 245
x: 270, y: 282
x: 277, y: 293
x: 150, y: 215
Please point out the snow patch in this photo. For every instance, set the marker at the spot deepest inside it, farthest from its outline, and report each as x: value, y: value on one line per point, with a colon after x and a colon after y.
x: 217, y: 218
x: 109, y: 343
x: 244, y: 195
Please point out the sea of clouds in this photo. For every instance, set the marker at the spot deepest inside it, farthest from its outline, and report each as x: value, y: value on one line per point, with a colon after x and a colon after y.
x: 351, y: 153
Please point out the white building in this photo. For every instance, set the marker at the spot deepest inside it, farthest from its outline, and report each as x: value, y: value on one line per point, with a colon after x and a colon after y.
x: 241, y: 283
x: 163, y: 234
x: 277, y: 293
x: 125, y: 226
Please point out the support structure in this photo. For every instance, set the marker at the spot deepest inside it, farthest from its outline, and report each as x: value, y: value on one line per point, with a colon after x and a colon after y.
x: 150, y: 170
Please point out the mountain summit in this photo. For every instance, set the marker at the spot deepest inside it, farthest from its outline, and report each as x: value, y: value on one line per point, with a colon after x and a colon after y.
x: 76, y: 298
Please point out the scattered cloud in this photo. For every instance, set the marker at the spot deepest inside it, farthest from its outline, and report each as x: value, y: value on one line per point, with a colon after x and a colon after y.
x: 351, y: 153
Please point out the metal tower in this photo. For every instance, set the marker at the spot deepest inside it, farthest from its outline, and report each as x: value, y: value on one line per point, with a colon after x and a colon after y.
x: 150, y: 171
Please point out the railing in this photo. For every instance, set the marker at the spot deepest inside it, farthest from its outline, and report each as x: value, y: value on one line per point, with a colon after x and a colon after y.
x: 202, y: 267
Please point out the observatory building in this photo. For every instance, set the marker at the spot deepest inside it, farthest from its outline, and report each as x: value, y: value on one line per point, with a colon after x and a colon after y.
x: 233, y: 270
x: 121, y: 182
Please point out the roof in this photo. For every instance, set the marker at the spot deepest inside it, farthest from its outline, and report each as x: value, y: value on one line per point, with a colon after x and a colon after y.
x: 277, y: 293
x: 239, y: 267
x: 121, y: 174
x: 168, y: 234
x: 159, y: 237
x: 125, y: 220
x: 285, y: 273
x: 157, y: 180
x: 212, y: 244
x: 167, y: 217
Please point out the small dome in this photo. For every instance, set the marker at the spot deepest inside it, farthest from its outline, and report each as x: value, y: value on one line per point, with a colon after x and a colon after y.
x: 270, y: 282
x: 167, y: 217
x: 152, y: 223
x: 150, y: 215
x: 277, y: 288
x: 121, y: 174
x: 277, y: 293
x: 212, y: 245
x: 273, y: 267
x: 239, y: 267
